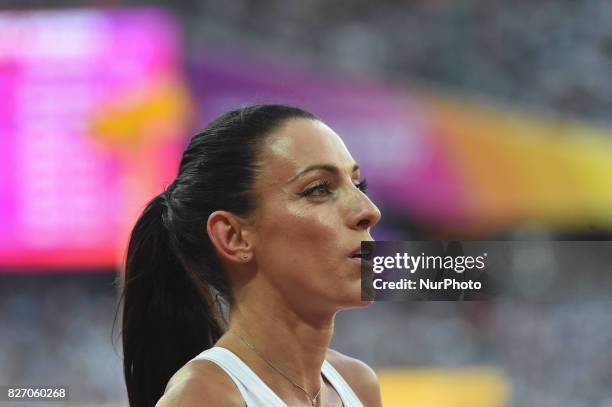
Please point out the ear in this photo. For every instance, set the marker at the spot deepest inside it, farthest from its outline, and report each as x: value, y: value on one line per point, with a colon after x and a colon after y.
x: 228, y: 234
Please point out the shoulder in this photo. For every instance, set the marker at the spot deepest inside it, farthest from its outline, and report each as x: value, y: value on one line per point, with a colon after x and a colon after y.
x: 359, y: 376
x: 201, y: 382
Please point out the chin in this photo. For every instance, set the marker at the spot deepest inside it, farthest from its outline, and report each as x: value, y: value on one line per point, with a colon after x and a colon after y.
x: 353, y: 300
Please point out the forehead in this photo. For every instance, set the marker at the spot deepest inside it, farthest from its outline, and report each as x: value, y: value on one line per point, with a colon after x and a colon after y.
x: 300, y: 143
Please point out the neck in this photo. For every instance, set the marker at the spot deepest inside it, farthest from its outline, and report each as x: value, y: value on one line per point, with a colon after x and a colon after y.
x: 293, y: 343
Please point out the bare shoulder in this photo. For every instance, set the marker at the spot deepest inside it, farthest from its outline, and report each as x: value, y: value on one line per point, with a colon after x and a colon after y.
x: 201, y: 383
x: 359, y: 376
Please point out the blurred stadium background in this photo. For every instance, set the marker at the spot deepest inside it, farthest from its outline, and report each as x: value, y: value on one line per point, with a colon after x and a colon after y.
x: 471, y: 119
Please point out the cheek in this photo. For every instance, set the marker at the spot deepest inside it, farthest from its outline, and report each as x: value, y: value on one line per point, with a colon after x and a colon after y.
x: 304, y: 252
x: 301, y: 239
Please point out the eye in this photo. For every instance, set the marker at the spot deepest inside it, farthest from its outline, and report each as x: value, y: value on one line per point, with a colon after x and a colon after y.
x: 362, y: 185
x: 321, y: 189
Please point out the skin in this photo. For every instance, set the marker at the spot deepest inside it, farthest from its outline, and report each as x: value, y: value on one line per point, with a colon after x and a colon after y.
x: 290, y: 270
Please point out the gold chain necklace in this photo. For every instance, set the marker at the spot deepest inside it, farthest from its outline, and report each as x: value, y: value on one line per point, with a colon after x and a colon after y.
x: 313, y: 400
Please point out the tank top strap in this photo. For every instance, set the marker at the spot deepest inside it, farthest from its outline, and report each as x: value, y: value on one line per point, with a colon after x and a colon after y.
x: 252, y: 389
x: 346, y: 393
x: 256, y: 393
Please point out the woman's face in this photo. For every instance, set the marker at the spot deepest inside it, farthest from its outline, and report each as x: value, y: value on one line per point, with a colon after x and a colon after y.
x: 312, y: 216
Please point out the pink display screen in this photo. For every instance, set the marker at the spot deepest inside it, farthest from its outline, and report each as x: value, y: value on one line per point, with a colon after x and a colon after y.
x: 82, y: 142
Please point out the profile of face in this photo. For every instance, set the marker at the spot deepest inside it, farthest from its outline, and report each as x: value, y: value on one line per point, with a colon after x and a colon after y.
x: 311, y: 217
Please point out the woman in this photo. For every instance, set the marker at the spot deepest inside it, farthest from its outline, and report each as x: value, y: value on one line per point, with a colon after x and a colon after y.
x: 267, y: 213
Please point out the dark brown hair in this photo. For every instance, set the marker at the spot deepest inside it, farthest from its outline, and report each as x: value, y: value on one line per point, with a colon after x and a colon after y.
x: 171, y: 270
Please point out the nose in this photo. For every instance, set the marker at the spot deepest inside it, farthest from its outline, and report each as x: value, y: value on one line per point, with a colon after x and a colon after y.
x: 365, y: 214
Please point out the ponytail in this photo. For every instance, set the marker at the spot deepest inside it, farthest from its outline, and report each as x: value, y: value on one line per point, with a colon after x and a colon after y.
x: 167, y: 315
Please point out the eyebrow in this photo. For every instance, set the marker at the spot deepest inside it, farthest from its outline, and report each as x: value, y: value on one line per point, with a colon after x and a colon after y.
x: 325, y: 167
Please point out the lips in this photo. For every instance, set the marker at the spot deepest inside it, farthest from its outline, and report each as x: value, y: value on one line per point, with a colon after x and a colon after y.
x: 361, y: 253
x: 357, y: 254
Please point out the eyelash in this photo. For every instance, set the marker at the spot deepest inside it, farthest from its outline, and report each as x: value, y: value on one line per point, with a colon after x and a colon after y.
x: 361, y: 185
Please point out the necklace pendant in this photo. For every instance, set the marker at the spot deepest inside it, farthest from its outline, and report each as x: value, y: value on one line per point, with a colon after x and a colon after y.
x: 314, y: 402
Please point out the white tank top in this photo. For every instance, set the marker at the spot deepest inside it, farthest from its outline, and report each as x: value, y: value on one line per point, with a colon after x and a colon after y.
x: 256, y: 393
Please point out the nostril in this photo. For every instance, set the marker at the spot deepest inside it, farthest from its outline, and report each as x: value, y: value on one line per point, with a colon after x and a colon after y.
x: 363, y: 223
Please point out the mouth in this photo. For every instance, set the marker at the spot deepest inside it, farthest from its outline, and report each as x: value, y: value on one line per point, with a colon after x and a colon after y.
x: 361, y: 253
x: 357, y: 255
